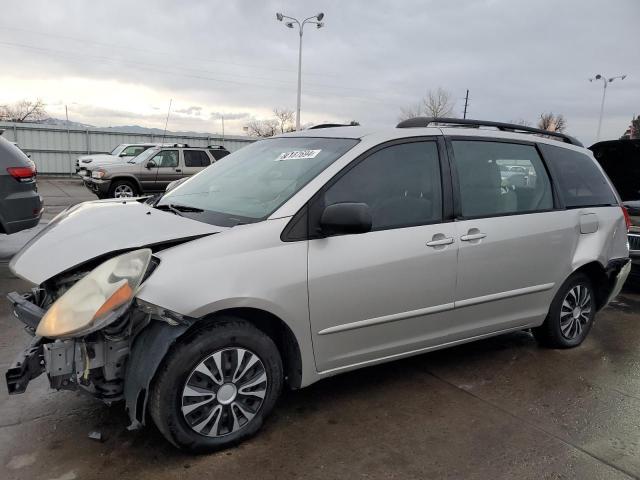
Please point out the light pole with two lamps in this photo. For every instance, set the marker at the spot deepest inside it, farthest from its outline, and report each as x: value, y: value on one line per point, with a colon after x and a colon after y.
x: 316, y: 20
x: 606, y: 81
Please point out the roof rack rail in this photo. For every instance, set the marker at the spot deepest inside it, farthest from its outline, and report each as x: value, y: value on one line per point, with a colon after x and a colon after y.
x: 503, y: 127
x: 219, y: 147
x: 330, y: 125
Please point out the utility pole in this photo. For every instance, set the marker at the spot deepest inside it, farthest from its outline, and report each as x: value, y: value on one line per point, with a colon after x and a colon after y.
x: 466, y: 103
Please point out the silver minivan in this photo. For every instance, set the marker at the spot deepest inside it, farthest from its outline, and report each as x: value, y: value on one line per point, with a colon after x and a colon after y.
x: 314, y: 253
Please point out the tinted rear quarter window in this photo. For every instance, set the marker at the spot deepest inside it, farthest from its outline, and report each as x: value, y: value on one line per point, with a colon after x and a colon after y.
x: 196, y: 158
x: 579, y: 180
x: 218, y: 154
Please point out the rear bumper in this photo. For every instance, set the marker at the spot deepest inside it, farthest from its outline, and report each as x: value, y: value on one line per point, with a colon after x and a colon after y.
x: 20, y: 210
x: 618, y: 272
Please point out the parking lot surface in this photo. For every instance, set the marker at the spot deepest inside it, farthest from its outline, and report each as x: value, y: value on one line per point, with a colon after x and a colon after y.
x: 499, y: 408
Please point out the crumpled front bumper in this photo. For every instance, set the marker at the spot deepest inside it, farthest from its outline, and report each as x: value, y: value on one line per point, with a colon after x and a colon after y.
x: 28, y: 365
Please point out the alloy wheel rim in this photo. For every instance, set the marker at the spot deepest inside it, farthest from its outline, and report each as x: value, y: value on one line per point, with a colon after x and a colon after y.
x: 575, y: 312
x: 224, y: 392
x: 123, y: 191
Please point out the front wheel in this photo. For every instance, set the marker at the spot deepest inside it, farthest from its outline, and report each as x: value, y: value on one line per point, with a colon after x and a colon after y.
x: 571, y: 314
x: 217, y: 386
x: 123, y: 189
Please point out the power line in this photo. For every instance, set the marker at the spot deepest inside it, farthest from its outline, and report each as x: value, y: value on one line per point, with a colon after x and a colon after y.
x: 73, y: 57
x: 84, y: 41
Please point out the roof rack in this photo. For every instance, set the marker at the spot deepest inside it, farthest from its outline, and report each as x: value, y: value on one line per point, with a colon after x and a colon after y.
x: 330, y: 125
x: 503, y: 127
x: 219, y: 147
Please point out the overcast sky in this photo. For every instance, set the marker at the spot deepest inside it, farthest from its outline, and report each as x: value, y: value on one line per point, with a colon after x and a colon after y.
x: 119, y: 62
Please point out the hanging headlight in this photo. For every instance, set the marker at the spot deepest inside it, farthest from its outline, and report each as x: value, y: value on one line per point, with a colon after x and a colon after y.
x: 98, y: 299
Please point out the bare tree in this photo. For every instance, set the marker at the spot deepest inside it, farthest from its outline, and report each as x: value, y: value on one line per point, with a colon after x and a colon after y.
x: 521, y: 121
x: 438, y: 103
x: 552, y: 122
x: 411, y: 111
x: 23, y: 111
x: 263, y: 128
x: 285, y: 117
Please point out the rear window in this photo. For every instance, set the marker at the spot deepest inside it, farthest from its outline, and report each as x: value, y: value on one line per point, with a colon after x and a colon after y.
x: 580, y: 181
x: 196, y: 158
x: 218, y: 154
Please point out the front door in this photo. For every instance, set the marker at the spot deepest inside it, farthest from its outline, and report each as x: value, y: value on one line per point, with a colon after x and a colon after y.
x: 168, y: 168
x: 386, y: 292
x: 514, y: 247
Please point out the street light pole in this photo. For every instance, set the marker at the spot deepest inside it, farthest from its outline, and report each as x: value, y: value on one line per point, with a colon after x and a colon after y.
x: 294, y: 21
x: 605, y: 81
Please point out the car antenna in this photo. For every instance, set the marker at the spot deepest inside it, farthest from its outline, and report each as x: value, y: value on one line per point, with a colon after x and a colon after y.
x: 165, y: 124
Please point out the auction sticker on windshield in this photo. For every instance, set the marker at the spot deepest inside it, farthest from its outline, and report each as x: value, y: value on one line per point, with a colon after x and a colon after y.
x: 298, y: 155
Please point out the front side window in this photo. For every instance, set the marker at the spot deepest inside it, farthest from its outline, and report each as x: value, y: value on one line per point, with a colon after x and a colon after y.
x: 116, y: 151
x: 497, y: 178
x: 166, y: 158
x: 401, y: 184
x: 580, y: 181
x: 253, y: 182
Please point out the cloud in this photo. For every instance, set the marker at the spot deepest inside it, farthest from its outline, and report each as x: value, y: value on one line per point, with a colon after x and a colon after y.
x: 194, y: 110
x: 230, y: 115
x: 518, y: 59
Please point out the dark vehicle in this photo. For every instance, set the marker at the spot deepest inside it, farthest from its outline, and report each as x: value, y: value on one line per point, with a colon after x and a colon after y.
x: 620, y: 159
x: 20, y: 203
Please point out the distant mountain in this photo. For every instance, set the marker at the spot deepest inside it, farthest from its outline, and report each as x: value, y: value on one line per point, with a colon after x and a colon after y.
x: 135, y: 129
x: 64, y: 123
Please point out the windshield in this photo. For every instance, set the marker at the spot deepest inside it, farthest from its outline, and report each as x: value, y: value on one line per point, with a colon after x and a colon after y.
x: 146, y: 155
x: 250, y: 184
x: 116, y: 151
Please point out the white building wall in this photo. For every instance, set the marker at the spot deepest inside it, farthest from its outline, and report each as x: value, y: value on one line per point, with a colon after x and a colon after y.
x: 54, y: 149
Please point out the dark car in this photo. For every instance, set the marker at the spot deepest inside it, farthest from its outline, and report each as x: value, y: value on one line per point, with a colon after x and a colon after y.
x: 20, y: 203
x: 620, y: 159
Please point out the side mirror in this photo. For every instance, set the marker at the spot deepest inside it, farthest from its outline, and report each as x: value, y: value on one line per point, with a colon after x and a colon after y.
x: 151, y: 164
x: 345, y: 218
x: 123, y: 155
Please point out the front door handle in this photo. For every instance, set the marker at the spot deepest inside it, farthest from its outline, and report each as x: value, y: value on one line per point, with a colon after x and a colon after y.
x: 178, y: 170
x: 472, y: 236
x: 440, y: 241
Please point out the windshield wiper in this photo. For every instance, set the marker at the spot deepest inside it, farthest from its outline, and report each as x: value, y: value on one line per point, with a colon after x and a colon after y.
x: 178, y: 209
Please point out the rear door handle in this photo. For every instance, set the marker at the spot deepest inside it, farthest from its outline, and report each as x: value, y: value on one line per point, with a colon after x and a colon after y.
x: 440, y: 242
x: 178, y: 170
x: 472, y: 236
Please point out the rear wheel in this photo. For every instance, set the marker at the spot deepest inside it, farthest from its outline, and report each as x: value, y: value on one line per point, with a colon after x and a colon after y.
x: 571, y: 314
x: 123, y: 189
x: 217, y: 386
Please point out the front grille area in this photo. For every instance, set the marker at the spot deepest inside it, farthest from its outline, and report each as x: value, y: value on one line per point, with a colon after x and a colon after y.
x: 634, y: 241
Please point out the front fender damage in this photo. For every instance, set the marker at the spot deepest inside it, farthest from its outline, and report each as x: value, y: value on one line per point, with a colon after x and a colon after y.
x: 147, y: 352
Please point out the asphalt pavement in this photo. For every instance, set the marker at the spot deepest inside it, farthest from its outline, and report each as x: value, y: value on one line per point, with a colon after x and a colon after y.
x: 499, y: 408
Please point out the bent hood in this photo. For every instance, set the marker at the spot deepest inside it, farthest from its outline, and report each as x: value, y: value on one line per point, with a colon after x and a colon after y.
x: 92, y: 229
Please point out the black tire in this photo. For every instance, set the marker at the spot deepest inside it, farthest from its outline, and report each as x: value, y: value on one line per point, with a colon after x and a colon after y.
x: 166, y: 397
x: 560, y: 329
x: 123, y: 183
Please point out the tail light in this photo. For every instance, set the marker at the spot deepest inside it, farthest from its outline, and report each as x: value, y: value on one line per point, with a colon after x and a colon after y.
x: 22, y: 174
x: 627, y: 218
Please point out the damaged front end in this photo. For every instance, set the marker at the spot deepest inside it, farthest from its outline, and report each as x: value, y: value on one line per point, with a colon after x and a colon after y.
x: 91, y: 334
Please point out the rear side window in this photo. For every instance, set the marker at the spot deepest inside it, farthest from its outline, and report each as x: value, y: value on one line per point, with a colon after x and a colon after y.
x: 497, y: 178
x: 218, y: 154
x: 401, y: 184
x: 580, y: 181
x: 196, y: 158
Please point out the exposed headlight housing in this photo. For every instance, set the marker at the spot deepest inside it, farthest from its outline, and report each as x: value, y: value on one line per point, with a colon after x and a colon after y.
x: 98, y: 174
x: 98, y: 299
